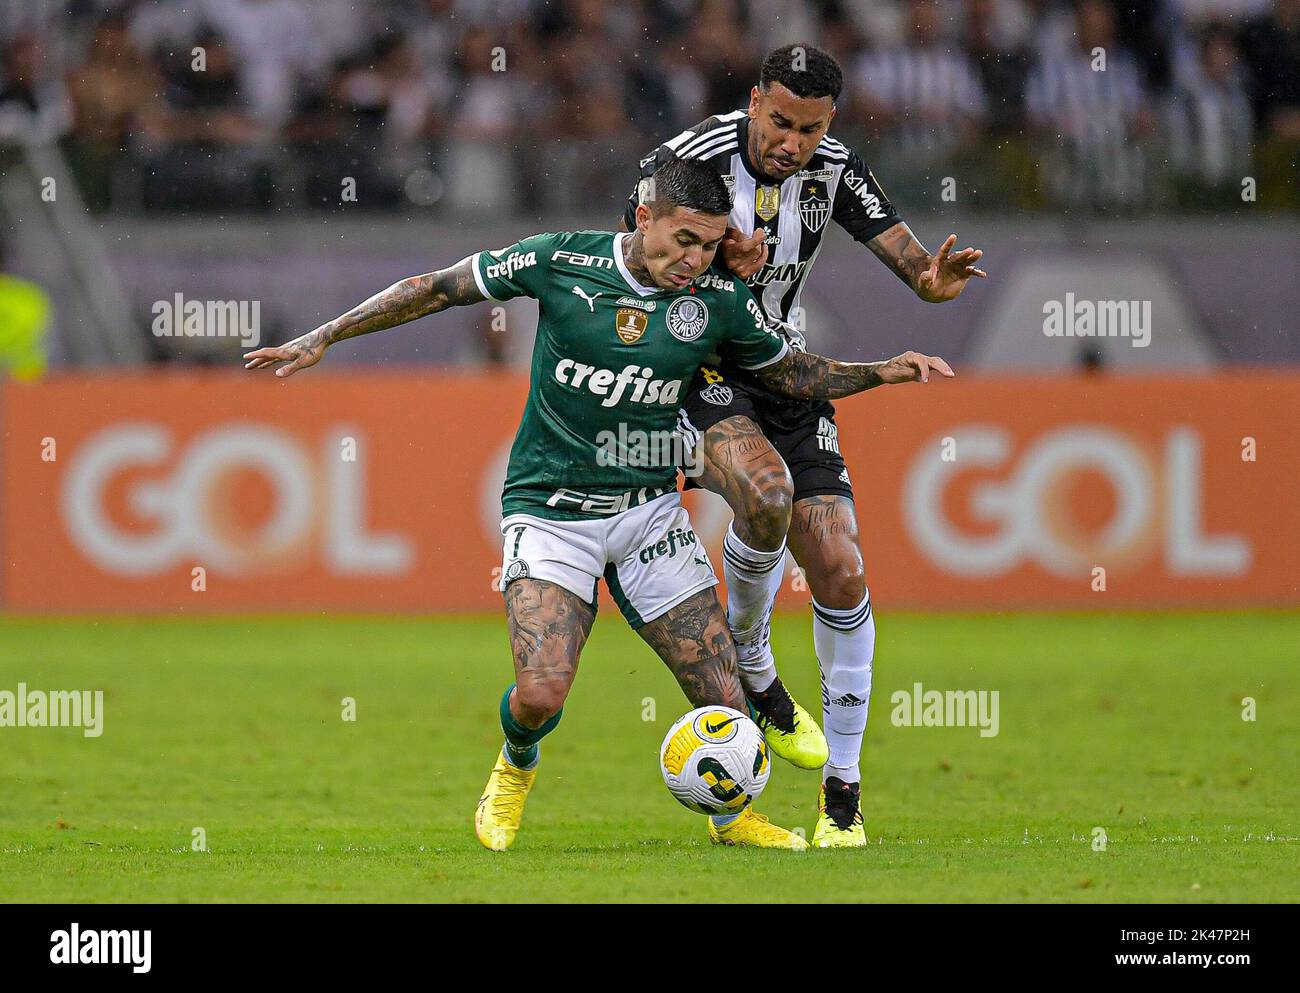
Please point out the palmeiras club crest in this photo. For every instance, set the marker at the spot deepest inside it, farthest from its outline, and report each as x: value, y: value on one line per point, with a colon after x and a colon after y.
x: 687, y: 318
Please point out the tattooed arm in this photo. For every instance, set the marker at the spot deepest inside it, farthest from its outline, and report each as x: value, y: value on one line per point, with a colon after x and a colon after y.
x: 815, y: 377
x: 933, y: 278
x: 401, y: 303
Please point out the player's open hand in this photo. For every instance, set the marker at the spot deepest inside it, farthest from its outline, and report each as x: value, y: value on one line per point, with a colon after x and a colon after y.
x: 301, y: 353
x: 911, y: 367
x: 949, y: 272
x: 744, y: 256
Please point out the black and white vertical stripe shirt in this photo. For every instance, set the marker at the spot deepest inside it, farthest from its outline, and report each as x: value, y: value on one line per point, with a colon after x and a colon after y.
x: 937, y: 93
x: 835, y: 186
x: 1098, y: 158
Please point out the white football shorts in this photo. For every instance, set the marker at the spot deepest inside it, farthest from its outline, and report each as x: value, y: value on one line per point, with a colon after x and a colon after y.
x: 649, y: 556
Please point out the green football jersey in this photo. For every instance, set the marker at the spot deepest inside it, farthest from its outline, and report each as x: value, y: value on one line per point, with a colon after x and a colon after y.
x: 611, y: 362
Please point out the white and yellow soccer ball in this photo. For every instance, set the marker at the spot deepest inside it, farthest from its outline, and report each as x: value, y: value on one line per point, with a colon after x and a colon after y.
x: 715, y: 761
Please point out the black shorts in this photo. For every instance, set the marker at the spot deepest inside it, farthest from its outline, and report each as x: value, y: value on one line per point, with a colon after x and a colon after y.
x: 803, y: 432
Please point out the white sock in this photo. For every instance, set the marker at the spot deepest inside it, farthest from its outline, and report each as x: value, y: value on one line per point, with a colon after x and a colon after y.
x: 753, y: 580
x: 846, y: 643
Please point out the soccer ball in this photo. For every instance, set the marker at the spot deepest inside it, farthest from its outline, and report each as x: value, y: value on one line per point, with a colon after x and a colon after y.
x: 715, y: 761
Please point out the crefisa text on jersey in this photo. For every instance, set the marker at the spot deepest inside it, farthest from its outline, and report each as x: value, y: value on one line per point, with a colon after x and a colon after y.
x: 511, y: 264
x: 598, y: 381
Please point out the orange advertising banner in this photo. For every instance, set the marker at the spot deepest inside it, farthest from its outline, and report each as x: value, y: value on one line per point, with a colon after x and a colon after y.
x: 375, y: 492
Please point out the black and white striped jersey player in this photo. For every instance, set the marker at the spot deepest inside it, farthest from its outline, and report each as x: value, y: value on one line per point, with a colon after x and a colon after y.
x: 777, y: 461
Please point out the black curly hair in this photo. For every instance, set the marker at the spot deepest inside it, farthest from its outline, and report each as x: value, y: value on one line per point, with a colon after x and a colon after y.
x: 688, y: 183
x: 804, y: 70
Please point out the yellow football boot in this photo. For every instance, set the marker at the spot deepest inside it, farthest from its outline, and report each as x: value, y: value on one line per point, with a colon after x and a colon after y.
x: 753, y: 830
x: 840, y: 822
x: 500, y: 809
x: 790, y: 731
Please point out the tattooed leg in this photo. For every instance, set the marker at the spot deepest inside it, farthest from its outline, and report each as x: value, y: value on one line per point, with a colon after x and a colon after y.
x: 548, y: 627
x: 695, y: 644
x: 824, y: 541
x: 742, y: 467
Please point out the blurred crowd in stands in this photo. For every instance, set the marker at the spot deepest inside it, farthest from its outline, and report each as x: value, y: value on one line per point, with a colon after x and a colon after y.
x: 509, y: 106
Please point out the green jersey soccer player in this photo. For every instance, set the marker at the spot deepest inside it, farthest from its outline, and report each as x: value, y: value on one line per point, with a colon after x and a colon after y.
x: 624, y: 321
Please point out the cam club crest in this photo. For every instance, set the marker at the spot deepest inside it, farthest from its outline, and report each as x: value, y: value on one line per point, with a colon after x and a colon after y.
x: 717, y: 394
x: 687, y: 318
x: 767, y: 202
x: 814, y: 205
x: 630, y: 325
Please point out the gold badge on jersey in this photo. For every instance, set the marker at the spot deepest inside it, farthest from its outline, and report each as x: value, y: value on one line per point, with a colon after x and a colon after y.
x: 767, y: 201
x: 630, y: 324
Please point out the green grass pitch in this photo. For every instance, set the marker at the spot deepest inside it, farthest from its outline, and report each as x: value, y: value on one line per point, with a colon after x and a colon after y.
x: 1131, y: 723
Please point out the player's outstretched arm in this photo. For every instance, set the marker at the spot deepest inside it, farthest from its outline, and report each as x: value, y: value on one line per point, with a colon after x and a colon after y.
x: 933, y: 278
x: 401, y: 303
x: 815, y: 377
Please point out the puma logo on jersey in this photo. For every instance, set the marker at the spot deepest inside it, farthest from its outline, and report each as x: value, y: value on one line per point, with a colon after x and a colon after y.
x: 591, y: 301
